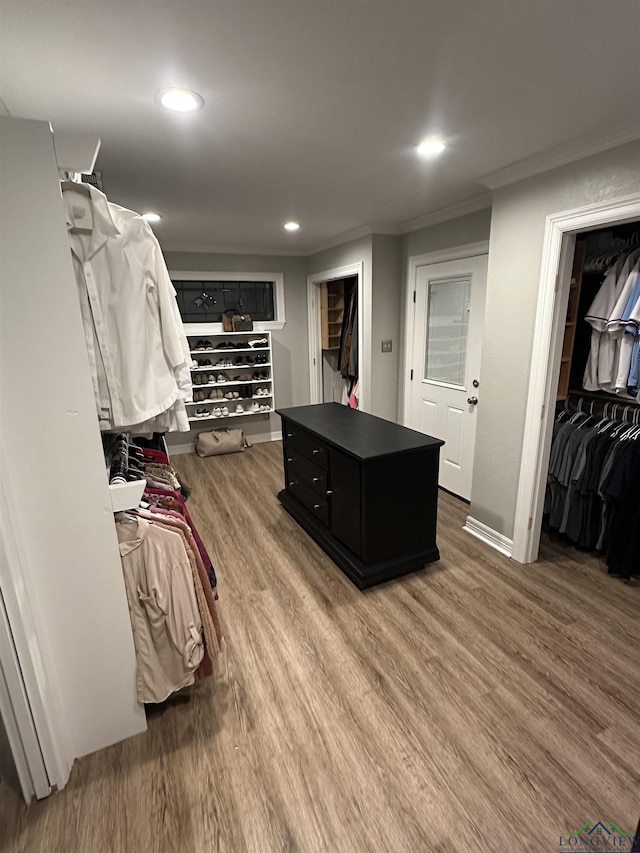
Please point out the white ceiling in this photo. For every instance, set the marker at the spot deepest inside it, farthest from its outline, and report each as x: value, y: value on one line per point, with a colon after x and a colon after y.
x: 313, y: 106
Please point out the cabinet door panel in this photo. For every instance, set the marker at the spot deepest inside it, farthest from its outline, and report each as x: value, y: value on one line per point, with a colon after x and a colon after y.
x: 344, y: 484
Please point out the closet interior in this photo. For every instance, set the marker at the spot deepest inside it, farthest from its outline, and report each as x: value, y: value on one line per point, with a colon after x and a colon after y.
x: 593, y: 486
x: 339, y: 340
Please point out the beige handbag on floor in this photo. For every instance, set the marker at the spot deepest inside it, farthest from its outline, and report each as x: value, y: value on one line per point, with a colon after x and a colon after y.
x: 220, y: 441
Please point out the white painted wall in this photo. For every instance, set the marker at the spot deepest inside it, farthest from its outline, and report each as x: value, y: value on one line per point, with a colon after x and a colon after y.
x: 290, y: 347
x: 515, y: 254
x: 385, y: 317
x: 50, y: 436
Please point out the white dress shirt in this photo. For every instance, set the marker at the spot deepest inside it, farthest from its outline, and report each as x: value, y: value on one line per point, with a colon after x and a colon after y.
x: 137, y: 349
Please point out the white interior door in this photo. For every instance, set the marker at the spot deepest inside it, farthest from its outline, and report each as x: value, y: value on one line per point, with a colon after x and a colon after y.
x: 447, y: 343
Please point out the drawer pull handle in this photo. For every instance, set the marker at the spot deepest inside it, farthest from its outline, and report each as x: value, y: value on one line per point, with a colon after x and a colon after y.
x: 315, y: 452
x: 315, y: 479
x: 291, y: 485
x: 290, y: 435
x: 330, y: 492
x: 316, y: 506
x: 290, y: 459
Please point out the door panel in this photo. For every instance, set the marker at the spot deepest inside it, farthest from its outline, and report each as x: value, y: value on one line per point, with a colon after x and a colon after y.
x: 447, y: 335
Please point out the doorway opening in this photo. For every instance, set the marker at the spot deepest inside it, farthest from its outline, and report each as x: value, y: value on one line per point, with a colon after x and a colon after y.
x: 561, y: 343
x: 442, y: 390
x: 336, y: 368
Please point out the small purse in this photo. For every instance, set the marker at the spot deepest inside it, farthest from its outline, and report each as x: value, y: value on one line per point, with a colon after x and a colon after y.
x: 220, y: 441
x: 242, y: 323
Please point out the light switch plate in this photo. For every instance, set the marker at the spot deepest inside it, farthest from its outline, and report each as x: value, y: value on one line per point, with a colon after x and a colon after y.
x: 387, y: 346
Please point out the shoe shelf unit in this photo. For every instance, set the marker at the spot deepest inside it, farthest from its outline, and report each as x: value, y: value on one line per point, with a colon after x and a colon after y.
x: 227, y: 363
x: 331, y: 313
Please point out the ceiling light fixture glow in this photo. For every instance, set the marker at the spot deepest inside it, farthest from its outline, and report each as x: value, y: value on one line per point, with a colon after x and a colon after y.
x: 151, y: 217
x: 291, y: 226
x: 431, y: 146
x: 181, y: 100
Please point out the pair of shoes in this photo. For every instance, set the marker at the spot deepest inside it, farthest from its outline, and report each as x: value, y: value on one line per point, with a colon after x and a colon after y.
x: 203, y: 413
x: 219, y: 412
x: 205, y: 362
x: 262, y: 359
x: 260, y: 375
x: 264, y: 407
x: 262, y: 392
x: 224, y: 362
x: 239, y: 409
x: 202, y: 345
x: 254, y: 407
x: 258, y: 342
x: 199, y: 397
x: 239, y: 361
x: 225, y: 345
x: 220, y: 377
x: 197, y: 379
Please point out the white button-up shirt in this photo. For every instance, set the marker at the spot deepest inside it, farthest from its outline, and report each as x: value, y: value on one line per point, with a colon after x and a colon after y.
x: 137, y: 349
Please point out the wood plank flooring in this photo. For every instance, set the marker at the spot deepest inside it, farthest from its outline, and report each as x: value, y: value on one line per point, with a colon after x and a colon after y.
x: 478, y: 705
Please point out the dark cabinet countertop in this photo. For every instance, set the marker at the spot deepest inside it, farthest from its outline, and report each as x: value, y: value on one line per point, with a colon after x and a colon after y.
x: 360, y: 435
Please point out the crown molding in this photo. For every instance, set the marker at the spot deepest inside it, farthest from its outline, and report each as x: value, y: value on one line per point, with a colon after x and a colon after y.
x: 559, y: 155
x: 473, y: 205
x: 234, y: 250
x: 355, y: 234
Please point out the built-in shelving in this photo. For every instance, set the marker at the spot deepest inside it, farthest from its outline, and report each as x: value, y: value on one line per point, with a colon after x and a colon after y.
x: 213, y: 369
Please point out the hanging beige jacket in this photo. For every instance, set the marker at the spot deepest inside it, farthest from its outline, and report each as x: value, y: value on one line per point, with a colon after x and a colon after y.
x: 167, y: 630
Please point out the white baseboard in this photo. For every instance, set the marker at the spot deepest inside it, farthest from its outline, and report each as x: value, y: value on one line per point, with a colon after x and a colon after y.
x: 260, y: 438
x: 489, y: 536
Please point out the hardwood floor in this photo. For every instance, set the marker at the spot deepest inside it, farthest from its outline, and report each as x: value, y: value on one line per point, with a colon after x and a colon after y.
x: 478, y: 705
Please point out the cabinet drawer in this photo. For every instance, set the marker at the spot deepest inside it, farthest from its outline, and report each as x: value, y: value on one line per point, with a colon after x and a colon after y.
x: 317, y: 504
x: 307, y: 444
x: 300, y: 470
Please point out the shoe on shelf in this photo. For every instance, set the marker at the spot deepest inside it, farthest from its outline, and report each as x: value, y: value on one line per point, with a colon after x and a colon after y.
x: 221, y: 377
x: 239, y: 409
x: 239, y: 361
x: 217, y: 412
x: 228, y: 395
x: 196, y: 379
x: 198, y: 346
x: 258, y: 342
x: 265, y: 408
x: 225, y: 412
x: 236, y: 395
x: 202, y: 413
x: 207, y: 345
x: 194, y: 364
x: 222, y: 345
x: 221, y: 362
x: 254, y: 407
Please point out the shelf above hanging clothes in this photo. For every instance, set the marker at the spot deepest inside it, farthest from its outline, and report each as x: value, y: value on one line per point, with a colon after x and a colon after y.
x: 126, y: 495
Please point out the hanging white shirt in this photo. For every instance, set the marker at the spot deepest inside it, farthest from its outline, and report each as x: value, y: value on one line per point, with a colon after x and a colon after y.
x: 602, y: 363
x: 128, y: 306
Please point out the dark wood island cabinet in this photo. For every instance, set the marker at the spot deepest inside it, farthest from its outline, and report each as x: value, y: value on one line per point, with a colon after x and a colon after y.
x: 364, y: 488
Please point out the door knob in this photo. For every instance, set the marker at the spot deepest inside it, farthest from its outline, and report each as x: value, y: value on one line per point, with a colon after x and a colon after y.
x: 472, y: 401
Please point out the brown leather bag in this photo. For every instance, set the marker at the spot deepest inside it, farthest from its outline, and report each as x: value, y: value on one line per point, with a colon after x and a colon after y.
x: 220, y: 441
x: 242, y: 323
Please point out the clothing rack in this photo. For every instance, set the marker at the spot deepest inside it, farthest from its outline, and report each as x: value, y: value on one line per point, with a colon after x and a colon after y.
x: 602, y: 261
x: 608, y: 405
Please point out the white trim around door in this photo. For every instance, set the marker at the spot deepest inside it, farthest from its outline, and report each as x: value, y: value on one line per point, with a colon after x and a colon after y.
x: 553, y: 295
x: 456, y: 253
x: 313, y: 325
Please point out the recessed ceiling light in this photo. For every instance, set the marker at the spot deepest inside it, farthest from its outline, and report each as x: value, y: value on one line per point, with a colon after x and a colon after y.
x: 181, y: 100
x: 151, y: 217
x: 431, y: 146
x: 291, y: 226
